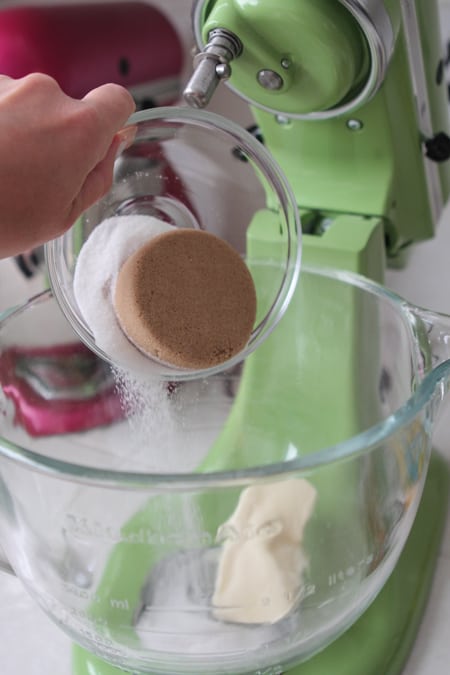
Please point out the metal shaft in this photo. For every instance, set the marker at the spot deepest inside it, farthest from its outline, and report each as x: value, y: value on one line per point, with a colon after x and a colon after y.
x: 211, y: 66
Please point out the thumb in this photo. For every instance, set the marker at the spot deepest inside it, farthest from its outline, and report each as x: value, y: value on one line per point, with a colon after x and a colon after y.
x: 100, y: 179
x: 113, y: 104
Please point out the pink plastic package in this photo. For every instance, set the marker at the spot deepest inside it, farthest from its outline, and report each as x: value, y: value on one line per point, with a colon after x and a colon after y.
x: 59, y: 389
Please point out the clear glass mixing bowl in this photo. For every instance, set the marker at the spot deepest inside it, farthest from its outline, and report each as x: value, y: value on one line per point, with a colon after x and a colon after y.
x: 116, y: 499
x: 191, y: 169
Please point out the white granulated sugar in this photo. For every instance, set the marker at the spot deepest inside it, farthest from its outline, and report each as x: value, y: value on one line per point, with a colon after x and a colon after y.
x: 171, y: 427
x: 97, y: 267
x: 161, y: 437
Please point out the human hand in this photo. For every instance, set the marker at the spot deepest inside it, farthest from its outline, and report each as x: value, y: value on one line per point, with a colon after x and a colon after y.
x: 56, y: 156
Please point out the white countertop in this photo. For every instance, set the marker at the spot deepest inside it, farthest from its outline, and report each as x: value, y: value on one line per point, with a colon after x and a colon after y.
x: 30, y: 644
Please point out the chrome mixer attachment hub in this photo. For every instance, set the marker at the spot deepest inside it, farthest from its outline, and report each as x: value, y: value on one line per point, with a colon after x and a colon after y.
x: 211, y: 66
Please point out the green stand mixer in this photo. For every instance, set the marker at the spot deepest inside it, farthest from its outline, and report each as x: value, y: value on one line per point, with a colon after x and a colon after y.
x: 349, y: 98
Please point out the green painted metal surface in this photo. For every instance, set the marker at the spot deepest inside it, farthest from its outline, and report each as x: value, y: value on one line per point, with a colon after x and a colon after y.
x: 320, y: 43
x: 375, y: 170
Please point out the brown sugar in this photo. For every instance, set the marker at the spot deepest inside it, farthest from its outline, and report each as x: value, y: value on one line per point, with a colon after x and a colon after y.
x: 187, y: 298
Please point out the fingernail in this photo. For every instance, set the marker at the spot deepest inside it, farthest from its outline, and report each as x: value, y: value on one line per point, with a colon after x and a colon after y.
x: 126, y: 136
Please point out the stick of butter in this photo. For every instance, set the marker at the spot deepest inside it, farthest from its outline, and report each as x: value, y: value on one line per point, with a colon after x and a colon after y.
x: 261, y: 564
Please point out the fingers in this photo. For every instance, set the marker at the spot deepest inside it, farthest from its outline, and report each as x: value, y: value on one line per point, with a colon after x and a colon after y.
x: 97, y: 182
x: 31, y: 88
x: 57, y: 155
x: 100, y: 179
x: 113, y: 104
x: 4, y: 81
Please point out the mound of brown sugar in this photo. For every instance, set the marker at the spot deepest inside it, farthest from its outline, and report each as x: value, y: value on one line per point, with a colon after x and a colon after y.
x: 187, y: 298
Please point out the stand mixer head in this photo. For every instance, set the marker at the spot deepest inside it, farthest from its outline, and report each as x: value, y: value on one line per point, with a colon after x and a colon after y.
x: 349, y: 97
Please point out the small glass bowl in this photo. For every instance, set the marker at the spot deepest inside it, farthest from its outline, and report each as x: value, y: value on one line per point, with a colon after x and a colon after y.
x: 194, y: 169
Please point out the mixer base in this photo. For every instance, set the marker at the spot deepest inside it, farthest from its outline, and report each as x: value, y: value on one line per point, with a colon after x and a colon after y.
x: 380, y: 641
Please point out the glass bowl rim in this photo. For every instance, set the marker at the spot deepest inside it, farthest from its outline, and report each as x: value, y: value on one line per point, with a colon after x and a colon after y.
x: 351, y: 448
x: 266, y: 162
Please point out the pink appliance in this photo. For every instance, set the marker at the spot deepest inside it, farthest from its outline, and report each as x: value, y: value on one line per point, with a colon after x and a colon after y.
x: 85, y: 45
